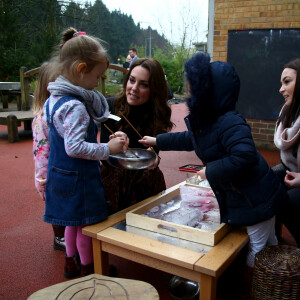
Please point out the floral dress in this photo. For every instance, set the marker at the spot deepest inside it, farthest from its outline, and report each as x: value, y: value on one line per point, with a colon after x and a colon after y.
x: 41, y: 148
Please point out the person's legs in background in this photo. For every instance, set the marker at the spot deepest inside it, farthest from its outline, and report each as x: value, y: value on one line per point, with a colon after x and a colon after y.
x: 289, y: 214
x: 280, y: 172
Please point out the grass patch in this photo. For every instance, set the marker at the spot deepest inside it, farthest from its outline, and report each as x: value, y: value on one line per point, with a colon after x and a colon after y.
x: 111, y: 89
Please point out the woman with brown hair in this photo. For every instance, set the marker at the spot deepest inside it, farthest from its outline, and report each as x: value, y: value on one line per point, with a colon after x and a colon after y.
x: 143, y: 101
x: 287, y: 140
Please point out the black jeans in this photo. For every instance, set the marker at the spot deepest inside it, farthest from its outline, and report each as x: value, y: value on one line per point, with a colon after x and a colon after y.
x: 289, y: 213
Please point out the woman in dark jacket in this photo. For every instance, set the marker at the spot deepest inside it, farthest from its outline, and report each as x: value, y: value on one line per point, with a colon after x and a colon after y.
x: 247, y: 190
x: 143, y: 101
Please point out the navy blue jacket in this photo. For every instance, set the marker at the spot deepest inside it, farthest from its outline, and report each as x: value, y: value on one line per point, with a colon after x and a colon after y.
x: 246, y: 188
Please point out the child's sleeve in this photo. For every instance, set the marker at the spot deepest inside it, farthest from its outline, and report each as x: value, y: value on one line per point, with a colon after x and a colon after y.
x: 72, y: 122
x: 239, y: 152
x: 174, y: 141
x: 41, y: 148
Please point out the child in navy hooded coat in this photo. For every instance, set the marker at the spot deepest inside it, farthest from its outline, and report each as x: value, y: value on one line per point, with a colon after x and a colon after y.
x: 247, y: 190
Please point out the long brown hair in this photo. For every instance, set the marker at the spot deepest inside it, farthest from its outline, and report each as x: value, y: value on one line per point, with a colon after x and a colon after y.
x: 292, y: 112
x: 161, y: 113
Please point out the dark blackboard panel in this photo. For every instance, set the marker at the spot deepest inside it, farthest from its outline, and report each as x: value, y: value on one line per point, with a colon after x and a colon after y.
x: 258, y: 56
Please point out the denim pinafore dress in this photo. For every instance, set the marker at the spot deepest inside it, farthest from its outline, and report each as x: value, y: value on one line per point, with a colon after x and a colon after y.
x: 74, y: 189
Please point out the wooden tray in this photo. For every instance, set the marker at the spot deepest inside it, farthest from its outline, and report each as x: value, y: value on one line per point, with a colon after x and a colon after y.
x: 136, y: 218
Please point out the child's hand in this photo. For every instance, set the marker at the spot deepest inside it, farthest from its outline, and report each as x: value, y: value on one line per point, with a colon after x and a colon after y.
x: 120, y: 134
x: 123, y: 135
x: 148, y: 141
x: 292, y: 179
x: 42, y: 192
x: 118, y: 142
x: 201, y: 173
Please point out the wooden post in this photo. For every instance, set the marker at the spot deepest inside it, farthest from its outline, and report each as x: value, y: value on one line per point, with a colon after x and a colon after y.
x: 19, y: 101
x: 4, y: 98
x: 12, y: 129
x: 102, y: 84
x: 24, y: 89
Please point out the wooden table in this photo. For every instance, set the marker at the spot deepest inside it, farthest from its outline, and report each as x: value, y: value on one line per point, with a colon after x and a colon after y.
x: 170, y: 258
x: 11, y: 117
x: 13, y: 120
x: 10, y: 88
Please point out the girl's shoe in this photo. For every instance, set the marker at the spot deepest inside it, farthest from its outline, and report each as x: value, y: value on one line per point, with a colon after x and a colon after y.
x: 72, y: 267
x: 87, y: 269
x: 59, y: 243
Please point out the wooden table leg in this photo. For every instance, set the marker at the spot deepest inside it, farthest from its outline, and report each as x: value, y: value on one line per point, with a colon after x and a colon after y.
x: 208, y: 287
x: 100, y: 259
x: 12, y: 129
x: 19, y: 104
x: 4, y: 98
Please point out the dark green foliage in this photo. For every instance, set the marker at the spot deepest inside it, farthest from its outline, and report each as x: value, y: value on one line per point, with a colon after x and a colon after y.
x: 30, y: 30
x: 10, y: 38
x: 28, y: 33
x: 123, y: 33
x: 99, y: 21
x: 175, y: 74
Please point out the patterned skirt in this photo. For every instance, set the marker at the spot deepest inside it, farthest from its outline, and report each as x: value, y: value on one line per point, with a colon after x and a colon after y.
x: 124, y: 188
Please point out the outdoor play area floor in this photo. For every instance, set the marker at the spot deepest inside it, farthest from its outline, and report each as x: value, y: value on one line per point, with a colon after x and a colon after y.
x: 28, y: 261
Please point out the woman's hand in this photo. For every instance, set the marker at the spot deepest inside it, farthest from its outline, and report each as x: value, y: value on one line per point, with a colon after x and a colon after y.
x: 292, y: 179
x: 201, y: 173
x: 157, y: 160
x: 118, y: 141
x: 148, y: 141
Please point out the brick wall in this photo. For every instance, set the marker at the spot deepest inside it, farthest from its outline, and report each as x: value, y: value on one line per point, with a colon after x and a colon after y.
x: 263, y: 133
x: 253, y: 14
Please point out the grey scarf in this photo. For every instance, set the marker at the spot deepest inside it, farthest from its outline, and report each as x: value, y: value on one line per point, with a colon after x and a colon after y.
x: 287, y: 140
x: 94, y: 101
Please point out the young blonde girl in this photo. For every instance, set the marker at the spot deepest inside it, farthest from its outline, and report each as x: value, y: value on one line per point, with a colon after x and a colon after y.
x: 40, y: 132
x: 74, y: 190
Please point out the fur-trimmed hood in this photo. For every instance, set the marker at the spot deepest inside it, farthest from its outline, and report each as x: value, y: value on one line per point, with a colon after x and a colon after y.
x: 214, y: 88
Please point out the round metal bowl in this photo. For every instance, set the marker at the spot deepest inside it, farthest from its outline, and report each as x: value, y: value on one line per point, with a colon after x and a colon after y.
x: 182, y: 288
x: 129, y: 161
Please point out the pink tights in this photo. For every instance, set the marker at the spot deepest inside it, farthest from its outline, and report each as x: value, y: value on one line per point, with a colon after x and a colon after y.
x: 76, y: 242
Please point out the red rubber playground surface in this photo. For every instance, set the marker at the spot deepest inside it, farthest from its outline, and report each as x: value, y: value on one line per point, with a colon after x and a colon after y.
x: 28, y: 261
